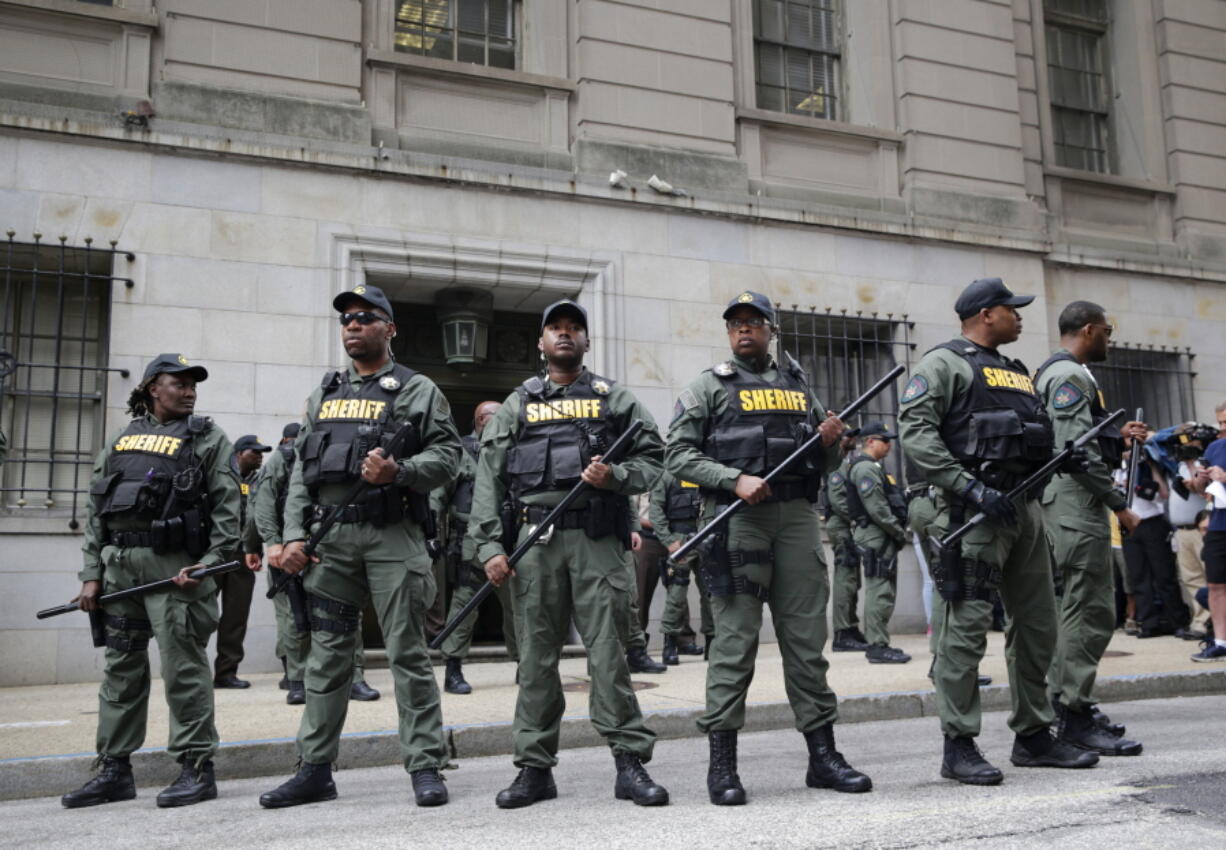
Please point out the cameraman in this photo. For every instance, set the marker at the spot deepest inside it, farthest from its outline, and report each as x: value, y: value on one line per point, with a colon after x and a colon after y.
x: 1214, y: 553
x: 1187, y: 444
x: 1147, y: 552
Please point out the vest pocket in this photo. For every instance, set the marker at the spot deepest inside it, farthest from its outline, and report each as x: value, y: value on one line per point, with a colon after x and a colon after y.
x: 312, y: 452
x: 996, y: 434
x: 740, y: 446
x: 567, y: 460
x: 526, y: 464
x: 100, y: 488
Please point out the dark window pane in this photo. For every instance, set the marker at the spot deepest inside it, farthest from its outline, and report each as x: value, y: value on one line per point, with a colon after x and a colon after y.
x: 796, y: 47
x: 478, y: 31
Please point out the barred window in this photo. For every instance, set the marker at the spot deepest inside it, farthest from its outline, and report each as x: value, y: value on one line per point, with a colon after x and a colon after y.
x: 54, y: 339
x: 477, y: 31
x: 797, y: 51
x: 1156, y: 379
x: 843, y: 355
x: 1077, y: 80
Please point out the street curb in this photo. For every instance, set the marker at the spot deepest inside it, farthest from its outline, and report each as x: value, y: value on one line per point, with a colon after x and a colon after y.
x: 51, y: 775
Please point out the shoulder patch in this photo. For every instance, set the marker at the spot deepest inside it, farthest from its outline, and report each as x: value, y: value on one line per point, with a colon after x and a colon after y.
x: 686, y: 401
x: 867, y: 484
x: 916, y: 387
x: 1066, y: 396
x: 836, y: 477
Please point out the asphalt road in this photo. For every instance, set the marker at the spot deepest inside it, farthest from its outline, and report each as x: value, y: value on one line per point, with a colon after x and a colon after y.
x: 1174, y: 795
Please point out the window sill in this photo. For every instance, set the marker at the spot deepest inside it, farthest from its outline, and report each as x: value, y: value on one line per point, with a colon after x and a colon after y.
x: 1112, y: 180
x: 446, y: 67
x: 784, y: 119
x: 88, y: 10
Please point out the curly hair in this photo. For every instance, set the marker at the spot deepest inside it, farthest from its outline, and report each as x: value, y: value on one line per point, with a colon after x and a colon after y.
x: 139, y: 400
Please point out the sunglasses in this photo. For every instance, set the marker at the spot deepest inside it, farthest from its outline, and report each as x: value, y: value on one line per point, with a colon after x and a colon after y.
x: 751, y: 321
x: 362, y: 317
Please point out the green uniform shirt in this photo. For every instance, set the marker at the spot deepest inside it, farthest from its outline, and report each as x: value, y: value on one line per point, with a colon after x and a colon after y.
x: 431, y: 467
x: 272, y: 483
x: 214, y: 450
x: 703, y: 400
x: 635, y: 473
x: 936, y: 382
x: 1067, y: 389
x: 441, y: 501
x: 657, y: 512
x: 870, y: 479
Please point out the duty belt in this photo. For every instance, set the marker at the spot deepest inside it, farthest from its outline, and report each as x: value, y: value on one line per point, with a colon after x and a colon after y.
x: 131, y: 539
x: 573, y: 518
x: 345, y: 513
x: 781, y: 491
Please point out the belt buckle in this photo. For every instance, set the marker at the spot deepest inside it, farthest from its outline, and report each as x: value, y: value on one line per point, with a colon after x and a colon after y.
x: 546, y: 535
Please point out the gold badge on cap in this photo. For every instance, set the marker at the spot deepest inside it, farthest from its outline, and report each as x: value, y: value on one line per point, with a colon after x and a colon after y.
x: 600, y: 387
x: 182, y: 359
x: 389, y: 383
x: 723, y: 369
x: 359, y: 290
x: 744, y: 297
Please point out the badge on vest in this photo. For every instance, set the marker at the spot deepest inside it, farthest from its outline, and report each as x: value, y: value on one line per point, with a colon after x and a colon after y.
x: 389, y: 383
x: 1066, y: 396
x: 601, y: 387
x: 723, y: 369
x: 244, y: 488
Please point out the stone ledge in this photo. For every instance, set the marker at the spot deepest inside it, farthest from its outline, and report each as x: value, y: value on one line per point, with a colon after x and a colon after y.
x: 51, y: 775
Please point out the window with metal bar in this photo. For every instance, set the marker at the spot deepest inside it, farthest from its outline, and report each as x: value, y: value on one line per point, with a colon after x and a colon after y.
x: 54, y: 339
x: 1157, y: 379
x: 797, y: 55
x: 845, y: 354
x: 1076, y: 32
x: 477, y: 31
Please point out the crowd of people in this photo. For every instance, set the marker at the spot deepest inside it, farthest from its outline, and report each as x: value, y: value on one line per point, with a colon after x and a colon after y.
x: 1130, y: 514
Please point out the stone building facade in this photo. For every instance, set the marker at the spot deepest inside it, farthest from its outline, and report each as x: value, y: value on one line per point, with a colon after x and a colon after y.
x: 863, y: 158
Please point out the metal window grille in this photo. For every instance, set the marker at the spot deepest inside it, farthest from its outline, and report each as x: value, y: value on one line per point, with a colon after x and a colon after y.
x: 1076, y: 32
x: 843, y: 355
x: 54, y: 339
x: 797, y: 54
x: 477, y: 31
x: 1156, y: 379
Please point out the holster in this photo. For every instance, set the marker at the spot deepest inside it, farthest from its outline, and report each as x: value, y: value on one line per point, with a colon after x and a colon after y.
x: 673, y: 575
x: 716, y: 563
x: 296, y: 595
x: 946, y: 563
x: 876, y: 566
x: 846, y: 556
x: 508, y: 516
x: 97, y: 627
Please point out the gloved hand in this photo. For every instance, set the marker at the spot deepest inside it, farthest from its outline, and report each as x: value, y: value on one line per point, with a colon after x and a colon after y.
x: 994, y: 503
x: 1077, y: 462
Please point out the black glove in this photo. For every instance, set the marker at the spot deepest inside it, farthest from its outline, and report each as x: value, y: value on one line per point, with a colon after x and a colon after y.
x: 991, y: 502
x: 1077, y: 462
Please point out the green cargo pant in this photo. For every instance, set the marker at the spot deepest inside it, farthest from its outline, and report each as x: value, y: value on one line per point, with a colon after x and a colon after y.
x: 294, y: 646
x: 1078, y: 529
x: 460, y: 640
x: 181, y: 620
x: 879, y: 591
x: 799, y: 589
x: 589, y: 580
x: 677, y: 603
x: 632, y: 634
x: 845, y: 578
x: 390, y: 566
x: 1020, y: 555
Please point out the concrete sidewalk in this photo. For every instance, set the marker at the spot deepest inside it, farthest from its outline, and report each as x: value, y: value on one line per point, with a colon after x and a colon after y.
x: 47, y: 732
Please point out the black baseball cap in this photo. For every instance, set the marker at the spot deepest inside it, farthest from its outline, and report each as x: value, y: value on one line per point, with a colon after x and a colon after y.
x: 173, y: 364
x: 252, y: 442
x: 878, y: 430
x: 290, y: 431
x: 372, y: 295
x: 987, y: 292
x: 567, y: 306
x: 752, y: 299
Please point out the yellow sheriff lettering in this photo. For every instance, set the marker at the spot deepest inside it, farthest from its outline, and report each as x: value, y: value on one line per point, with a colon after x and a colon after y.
x: 562, y: 409
x: 352, y: 408
x: 1007, y: 379
x: 753, y: 401
x: 159, y: 444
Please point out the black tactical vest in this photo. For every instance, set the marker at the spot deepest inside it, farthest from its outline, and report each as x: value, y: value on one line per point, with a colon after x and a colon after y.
x: 682, y: 505
x: 856, y: 514
x: 153, y: 473
x: 287, y: 453
x: 1110, y: 440
x: 557, y: 436
x: 895, y: 496
x: 462, y: 498
x: 763, y: 423
x: 1000, y: 420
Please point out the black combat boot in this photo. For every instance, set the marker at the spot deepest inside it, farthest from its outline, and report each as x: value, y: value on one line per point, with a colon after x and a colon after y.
x: 311, y: 784
x: 965, y: 763
x: 363, y: 692
x: 284, y: 683
x: 1104, y: 722
x: 112, y: 783
x: 428, y: 787
x: 530, y: 786
x: 453, y: 678
x: 296, y: 694
x: 1079, y: 729
x: 828, y: 768
x: 982, y: 680
x: 845, y: 640
x: 669, y: 655
x: 878, y: 654
x: 687, y: 646
x: 639, y: 661
x: 723, y: 784
x: 634, y: 783
x: 194, y: 785
x: 1040, y: 749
